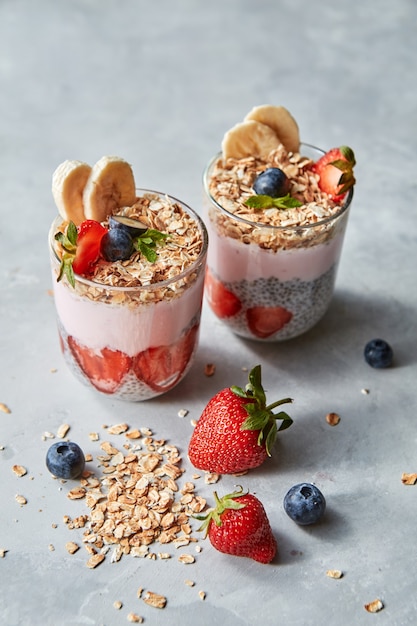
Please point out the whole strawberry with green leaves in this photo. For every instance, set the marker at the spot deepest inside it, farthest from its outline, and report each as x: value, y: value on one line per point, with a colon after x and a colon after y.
x: 238, y: 525
x: 237, y: 429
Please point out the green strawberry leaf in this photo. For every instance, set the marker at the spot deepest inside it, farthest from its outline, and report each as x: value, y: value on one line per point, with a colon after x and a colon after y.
x: 266, y: 202
x: 260, y: 415
x: 348, y: 154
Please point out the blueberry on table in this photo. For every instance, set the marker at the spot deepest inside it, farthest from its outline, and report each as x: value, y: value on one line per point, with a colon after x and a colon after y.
x: 116, y: 245
x: 378, y: 353
x: 272, y: 182
x: 65, y: 459
x: 304, y: 504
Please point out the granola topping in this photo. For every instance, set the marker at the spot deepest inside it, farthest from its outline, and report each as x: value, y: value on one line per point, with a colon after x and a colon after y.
x: 231, y: 183
x: 179, y: 252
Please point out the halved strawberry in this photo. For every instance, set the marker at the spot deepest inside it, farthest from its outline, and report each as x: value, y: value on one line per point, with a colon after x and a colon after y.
x: 264, y: 321
x: 223, y: 302
x: 104, y: 368
x: 161, y: 367
x: 335, y: 169
x: 90, y: 234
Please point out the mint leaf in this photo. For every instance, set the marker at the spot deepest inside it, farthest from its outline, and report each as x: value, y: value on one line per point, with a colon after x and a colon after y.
x: 147, y: 242
x: 267, y: 202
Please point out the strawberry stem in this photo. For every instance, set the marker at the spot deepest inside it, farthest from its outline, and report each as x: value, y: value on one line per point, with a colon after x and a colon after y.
x: 260, y: 415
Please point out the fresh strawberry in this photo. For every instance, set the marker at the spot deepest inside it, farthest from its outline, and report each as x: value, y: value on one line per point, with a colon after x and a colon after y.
x: 335, y: 169
x: 104, y: 368
x: 239, y: 525
x: 264, y: 321
x: 90, y: 234
x: 236, y: 430
x: 161, y: 367
x: 80, y: 248
x: 223, y: 302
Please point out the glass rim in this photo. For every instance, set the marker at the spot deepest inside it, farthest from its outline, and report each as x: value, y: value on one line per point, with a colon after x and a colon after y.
x: 305, y: 227
x: 152, y: 286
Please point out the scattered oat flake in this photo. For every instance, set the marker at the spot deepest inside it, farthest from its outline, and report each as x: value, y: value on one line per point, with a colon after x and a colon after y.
x: 189, y: 583
x: 332, y: 418
x: 193, y: 422
x: 72, y: 547
x: 133, y: 434
x: 374, y: 607
x: 95, y: 560
x: 365, y: 391
x: 76, y: 493
x: 20, y: 499
x: 48, y: 435
x: 186, y: 558
x: 4, y: 408
x: 209, y: 369
x: 154, y: 599
x: 134, y: 618
x: 51, y: 547
x: 408, y: 479
x: 202, y: 595
x: 118, y: 429
x: 182, y: 413
x: 117, y: 604
x: 3, y: 552
x: 94, y: 436
x: 334, y: 573
x: 62, y: 430
x: 210, y: 479
x: 19, y: 470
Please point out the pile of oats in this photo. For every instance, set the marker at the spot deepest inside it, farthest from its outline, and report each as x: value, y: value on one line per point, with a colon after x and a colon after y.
x: 178, y: 253
x: 136, y: 502
x: 230, y: 184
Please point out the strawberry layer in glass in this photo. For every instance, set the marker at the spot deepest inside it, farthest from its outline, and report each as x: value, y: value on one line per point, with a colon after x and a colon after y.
x: 268, y: 282
x: 132, y: 342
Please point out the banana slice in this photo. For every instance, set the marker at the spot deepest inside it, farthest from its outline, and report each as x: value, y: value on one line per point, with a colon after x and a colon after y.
x: 249, y: 138
x: 282, y: 123
x: 68, y: 182
x: 111, y: 185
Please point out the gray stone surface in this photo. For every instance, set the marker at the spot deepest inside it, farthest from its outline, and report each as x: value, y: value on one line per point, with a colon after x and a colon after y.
x: 159, y: 83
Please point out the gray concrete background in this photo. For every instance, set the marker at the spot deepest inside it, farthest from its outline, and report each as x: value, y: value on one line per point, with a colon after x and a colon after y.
x: 158, y: 83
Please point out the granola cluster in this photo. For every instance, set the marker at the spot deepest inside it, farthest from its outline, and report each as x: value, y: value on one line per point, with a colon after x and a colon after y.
x: 230, y: 184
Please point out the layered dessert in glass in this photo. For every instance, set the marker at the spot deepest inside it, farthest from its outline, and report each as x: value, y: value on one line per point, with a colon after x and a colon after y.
x: 128, y: 313
x: 276, y: 211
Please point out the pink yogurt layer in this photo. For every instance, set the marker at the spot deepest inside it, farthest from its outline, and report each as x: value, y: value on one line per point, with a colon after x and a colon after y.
x: 129, y: 329
x: 234, y: 261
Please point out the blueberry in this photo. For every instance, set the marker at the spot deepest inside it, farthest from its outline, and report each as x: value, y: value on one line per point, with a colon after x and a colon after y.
x: 305, y: 504
x: 65, y: 459
x: 133, y: 226
x: 378, y: 353
x: 116, y: 245
x: 272, y: 182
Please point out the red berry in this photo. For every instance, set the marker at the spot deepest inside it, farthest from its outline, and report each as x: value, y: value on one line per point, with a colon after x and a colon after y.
x: 236, y: 430
x: 264, y: 321
x: 223, y: 302
x: 335, y: 169
x: 239, y: 525
x: 89, y: 238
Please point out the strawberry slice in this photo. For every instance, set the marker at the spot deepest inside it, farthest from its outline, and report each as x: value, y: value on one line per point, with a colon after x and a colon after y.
x: 104, y: 368
x: 264, y: 321
x: 223, y: 302
x: 162, y: 367
x: 89, y: 238
x: 335, y: 169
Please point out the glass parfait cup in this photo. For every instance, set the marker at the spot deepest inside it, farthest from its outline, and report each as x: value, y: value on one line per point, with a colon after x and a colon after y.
x: 267, y: 282
x: 131, y: 343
